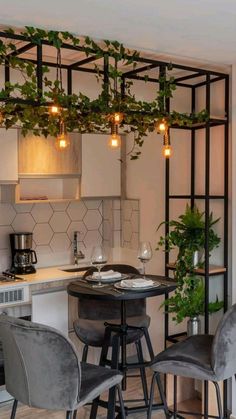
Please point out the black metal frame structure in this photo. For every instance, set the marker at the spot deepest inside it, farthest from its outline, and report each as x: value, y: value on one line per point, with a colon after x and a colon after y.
x: 188, y: 77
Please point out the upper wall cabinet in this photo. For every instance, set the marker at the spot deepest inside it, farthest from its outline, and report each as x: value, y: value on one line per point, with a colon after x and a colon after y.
x: 38, y: 157
x: 101, y: 167
x: 8, y: 156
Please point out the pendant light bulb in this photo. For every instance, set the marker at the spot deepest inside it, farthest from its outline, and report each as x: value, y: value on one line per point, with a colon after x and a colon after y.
x: 114, y: 140
x: 62, y: 140
x: 162, y: 126
x: 118, y: 117
x: 54, y: 109
x: 167, y: 151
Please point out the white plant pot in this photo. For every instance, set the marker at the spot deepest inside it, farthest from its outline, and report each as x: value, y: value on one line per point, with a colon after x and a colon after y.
x: 197, y: 257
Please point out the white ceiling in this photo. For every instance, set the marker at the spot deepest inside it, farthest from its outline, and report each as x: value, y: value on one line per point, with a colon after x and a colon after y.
x: 197, y: 29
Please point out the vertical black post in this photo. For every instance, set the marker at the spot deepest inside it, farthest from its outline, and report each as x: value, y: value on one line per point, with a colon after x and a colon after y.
x: 226, y: 193
x: 122, y: 87
x: 207, y: 212
x: 40, y: 70
x: 7, y: 72
x: 69, y: 81
x: 192, y: 162
x: 106, y: 77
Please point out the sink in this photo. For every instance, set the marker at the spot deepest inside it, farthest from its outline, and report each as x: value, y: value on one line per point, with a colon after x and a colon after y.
x: 77, y: 269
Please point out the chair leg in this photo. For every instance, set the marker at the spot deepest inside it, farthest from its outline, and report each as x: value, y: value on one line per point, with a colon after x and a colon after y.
x: 69, y: 414
x: 142, y: 371
x: 94, y: 408
x: 111, y: 408
x: 156, y: 377
x: 85, y: 353
x: 149, y: 343
x: 121, y: 401
x: 218, y: 397
x: 162, y: 395
x: 149, y: 413
x: 14, y: 407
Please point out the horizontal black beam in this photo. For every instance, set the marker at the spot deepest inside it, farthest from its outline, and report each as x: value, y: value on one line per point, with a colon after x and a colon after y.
x: 188, y: 77
x: 140, y: 70
x: 138, y: 59
x: 153, y: 80
x: 218, y: 78
x: 21, y: 50
x: 83, y: 62
x: 195, y: 196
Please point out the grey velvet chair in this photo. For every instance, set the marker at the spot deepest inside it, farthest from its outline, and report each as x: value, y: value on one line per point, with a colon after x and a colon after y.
x: 42, y: 370
x: 204, y: 357
x: 2, y: 377
x: 90, y: 328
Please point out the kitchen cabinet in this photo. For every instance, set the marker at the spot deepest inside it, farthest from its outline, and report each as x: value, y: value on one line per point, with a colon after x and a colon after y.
x: 50, y: 307
x: 8, y: 156
x: 38, y: 157
x: 101, y: 167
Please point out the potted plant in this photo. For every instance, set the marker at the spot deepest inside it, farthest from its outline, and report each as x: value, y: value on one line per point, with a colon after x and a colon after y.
x: 189, y: 302
x: 188, y: 235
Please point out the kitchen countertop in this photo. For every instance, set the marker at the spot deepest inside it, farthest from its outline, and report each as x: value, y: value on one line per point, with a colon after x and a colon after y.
x: 50, y: 274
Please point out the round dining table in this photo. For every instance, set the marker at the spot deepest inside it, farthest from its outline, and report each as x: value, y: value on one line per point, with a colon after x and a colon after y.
x: 84, y: 289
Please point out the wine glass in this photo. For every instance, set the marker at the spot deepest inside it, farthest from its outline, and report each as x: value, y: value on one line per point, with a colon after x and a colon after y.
x: 144, y: 254
x: 99, y: 259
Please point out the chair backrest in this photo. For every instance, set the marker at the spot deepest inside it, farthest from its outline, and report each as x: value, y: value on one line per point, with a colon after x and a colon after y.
x: 42, y: 368
x: 223, y: 356
x: 110, y: 310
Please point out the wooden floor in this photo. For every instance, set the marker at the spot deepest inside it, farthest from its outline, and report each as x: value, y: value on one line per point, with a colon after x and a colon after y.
x: 24, y: 412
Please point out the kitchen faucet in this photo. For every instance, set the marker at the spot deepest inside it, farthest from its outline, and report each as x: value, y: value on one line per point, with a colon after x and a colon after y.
x: 78, y: 254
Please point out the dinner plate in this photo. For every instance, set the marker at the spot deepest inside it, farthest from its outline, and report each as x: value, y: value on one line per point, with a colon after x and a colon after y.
x: 119, y: 286
x: 91, y: 278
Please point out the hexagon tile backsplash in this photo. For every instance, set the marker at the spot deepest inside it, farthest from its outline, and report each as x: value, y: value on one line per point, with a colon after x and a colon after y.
x: 53, y: 225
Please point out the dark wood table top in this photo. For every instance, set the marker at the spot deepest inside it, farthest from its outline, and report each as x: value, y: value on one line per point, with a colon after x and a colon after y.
x: 82, y: 289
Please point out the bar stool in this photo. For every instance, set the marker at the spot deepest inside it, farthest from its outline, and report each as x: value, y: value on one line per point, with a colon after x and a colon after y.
x: 90, y: 326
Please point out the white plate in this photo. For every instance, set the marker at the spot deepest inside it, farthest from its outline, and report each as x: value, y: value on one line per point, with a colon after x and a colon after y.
x: 91, y: 278
x: 119, y: 286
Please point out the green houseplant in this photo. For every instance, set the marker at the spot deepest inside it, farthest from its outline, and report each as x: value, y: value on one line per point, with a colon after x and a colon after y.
x: 188, y: 235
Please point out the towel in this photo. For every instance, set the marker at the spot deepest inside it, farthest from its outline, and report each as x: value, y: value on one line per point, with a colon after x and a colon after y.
x: 137, y: 283
x: 107, y: 275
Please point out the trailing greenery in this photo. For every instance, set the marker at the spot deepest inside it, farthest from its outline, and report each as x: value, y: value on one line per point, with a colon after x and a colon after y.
x: 26, y: 105
x: 188, y: 300
x: 188, y: 235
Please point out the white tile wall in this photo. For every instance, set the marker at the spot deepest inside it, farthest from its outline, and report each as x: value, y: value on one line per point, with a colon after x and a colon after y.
x: 53, y: 225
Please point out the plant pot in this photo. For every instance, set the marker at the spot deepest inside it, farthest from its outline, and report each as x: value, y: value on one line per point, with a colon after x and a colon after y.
x: 197, y: 257
x: 193, y: 326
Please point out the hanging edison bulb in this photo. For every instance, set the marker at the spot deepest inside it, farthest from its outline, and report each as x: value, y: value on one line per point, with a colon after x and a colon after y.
x: 54, y: 109
x: 118, y: 118
x: 167, y: 149
x: 114, y: 140
x: 162, y: 126
x: 62, y: 140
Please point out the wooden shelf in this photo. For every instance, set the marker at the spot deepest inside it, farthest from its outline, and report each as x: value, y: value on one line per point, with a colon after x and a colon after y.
x: 213, y: 269
x: 213, y: 121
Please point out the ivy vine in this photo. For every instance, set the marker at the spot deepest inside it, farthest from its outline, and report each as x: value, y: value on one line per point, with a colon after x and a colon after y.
x: 24, y: 104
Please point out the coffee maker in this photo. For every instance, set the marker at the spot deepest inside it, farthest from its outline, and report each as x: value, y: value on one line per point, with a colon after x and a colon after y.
x: 23, y: 257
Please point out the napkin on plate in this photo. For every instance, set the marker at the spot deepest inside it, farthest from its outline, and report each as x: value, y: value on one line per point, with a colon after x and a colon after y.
x: 137, y: 283
x: 107, y: 275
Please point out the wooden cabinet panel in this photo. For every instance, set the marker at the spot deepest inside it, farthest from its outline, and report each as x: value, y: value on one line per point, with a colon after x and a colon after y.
x: 101, y: 167
x: 39, y: 157
x: 8, y: 156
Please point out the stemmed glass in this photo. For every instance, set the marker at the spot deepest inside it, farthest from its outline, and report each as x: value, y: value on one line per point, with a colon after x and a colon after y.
x: 144, y: 254
x: 99, y: 259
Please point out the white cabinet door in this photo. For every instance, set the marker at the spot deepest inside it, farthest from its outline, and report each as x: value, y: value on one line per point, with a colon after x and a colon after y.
x: 51, y: 308
x: 101, y: 167
x: 8, y: 156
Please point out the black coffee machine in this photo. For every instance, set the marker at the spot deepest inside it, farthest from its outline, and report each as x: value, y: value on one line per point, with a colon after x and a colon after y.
x: 23, y: 258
